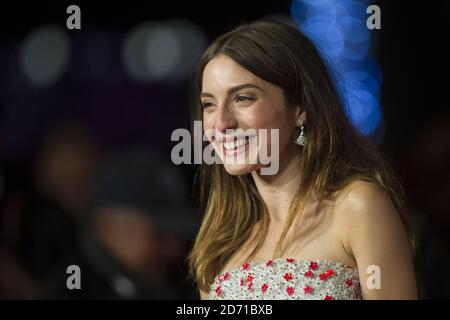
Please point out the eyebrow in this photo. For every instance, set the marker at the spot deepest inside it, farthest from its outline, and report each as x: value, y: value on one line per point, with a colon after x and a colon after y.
x: 233, y: 89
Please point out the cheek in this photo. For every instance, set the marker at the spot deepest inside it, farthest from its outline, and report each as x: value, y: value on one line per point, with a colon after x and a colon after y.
x: 257, y: 117
x: 208, y: 120
x: 272, y: 117
x: 208, y: 126
x: 266, y: 116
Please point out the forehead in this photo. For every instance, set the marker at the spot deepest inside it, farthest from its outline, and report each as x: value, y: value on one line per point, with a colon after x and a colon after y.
x: 223, y: 72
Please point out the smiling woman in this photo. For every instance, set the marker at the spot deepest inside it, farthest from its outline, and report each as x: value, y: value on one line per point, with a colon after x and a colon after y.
x: 242, y: 101
x: 331, y: 214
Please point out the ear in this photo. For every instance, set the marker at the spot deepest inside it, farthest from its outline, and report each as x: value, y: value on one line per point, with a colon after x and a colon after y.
x: 300, y: 114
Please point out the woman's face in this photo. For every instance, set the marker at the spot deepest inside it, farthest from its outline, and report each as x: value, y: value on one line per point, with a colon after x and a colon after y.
x: 233, y: 98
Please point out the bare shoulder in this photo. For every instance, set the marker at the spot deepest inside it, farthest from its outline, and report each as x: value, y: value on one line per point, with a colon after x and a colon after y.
x: 373, y: 233
x: 365, y: 205
x: 364, y: 200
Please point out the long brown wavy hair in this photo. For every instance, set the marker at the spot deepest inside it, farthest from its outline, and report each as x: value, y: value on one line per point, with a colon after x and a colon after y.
x: 335, y: 154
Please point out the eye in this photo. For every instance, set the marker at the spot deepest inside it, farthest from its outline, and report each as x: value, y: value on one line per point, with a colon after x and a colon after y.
x: 207, y: 104
x: 241, y: 98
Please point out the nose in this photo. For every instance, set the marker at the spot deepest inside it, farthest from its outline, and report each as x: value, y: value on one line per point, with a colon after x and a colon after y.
x: 225, y: 119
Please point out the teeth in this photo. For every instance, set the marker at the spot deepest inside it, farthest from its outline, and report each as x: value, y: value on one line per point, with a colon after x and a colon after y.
x: 231, y: 145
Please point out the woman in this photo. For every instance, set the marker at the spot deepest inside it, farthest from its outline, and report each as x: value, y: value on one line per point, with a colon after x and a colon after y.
x: 330, y: 224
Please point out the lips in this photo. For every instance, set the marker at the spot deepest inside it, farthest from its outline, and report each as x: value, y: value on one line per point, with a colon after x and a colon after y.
x: 230, y: 145
x: 233, y: 146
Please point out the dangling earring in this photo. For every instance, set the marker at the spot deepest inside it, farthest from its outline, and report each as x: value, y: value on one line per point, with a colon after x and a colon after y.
x: 301, y: 139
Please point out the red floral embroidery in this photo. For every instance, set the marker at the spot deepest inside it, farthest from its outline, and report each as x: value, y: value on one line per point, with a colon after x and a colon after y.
x: 264, y: 287
x: 323, y: 276
x: 290, y: 291
x: 328, y: 298
x: 222, y: 277
x: 245, y: 266
x: 314, y: 265
x: 287, y: 276
x: 249, y: 281
x: 269, y: 263
x: 242, y: 281
x: 307, y: 289
x: 349, y: 282
x: 290, y: 260
x: 309, y: 273
x: 218, y: 290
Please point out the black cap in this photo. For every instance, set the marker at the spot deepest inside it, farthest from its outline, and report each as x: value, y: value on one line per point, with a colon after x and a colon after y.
x: 140, y: 178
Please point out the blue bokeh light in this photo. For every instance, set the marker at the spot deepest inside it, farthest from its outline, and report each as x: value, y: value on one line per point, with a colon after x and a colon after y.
x: 338, y: 29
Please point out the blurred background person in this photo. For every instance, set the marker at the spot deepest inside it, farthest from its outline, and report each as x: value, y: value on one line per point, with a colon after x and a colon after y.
x: 65, y: 166
x: 133, y: 242
x: 43, y: 206
x: 16, y: 282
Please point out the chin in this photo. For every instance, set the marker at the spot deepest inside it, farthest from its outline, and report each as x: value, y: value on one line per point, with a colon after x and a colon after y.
x: 239, y: 170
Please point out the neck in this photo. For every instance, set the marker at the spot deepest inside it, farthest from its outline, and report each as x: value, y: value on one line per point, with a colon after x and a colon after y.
x: 277, y: 191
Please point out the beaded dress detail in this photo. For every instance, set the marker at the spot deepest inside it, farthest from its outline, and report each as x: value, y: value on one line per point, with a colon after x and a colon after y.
x: 288, y: 279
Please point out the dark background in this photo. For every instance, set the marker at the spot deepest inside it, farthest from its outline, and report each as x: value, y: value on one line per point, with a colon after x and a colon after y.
x: 412, y: 49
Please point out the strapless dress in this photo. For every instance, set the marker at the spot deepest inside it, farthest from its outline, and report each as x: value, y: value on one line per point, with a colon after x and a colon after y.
x: 288, y: 279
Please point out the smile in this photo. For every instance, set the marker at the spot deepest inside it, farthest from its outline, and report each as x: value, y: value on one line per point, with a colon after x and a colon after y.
x: 232, y: 145
x: 235, y: 146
